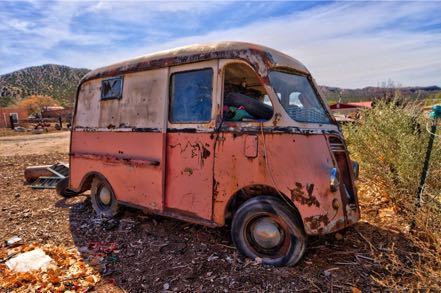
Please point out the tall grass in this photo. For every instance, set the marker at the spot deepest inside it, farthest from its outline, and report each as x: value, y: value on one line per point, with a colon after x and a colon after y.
x: 390, y: 141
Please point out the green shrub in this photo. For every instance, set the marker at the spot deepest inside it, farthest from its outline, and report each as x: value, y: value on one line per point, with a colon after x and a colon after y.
x: 390, y: 141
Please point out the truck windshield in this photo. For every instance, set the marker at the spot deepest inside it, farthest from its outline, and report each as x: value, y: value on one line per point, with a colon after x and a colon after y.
x: 298, y: 98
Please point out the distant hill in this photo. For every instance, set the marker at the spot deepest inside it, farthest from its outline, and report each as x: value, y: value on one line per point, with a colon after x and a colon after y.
x: 370, y: 93
x: 61, y: 81
x: 58, y: 81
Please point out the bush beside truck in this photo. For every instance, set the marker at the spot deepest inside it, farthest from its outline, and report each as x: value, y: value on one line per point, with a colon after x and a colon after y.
x: 390, y: 142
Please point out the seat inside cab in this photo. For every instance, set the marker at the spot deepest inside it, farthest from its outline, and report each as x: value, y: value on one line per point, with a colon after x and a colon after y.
x: 245, y: 98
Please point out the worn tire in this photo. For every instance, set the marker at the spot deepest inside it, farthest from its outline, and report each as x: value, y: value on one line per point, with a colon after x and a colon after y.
x: 285, y: 242
x: 103, y: 198
x: 63, y: 190
x: 251, y: 105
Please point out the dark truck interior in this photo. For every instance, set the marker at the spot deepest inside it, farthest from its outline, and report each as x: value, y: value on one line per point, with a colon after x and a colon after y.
x: 245, y: 98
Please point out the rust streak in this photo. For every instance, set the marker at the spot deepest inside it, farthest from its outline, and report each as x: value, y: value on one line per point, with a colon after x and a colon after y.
x: 114, y: 159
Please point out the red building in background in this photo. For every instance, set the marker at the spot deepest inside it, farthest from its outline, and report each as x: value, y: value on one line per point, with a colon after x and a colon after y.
x: 352, y: 105
x: 16, y: 113
x: 348, y: 112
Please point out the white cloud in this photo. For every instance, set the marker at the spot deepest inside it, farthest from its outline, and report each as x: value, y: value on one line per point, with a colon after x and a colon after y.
x: 97, y: 7
x: 343, y: 44
x: 163, y: 6
x: 19, y: 25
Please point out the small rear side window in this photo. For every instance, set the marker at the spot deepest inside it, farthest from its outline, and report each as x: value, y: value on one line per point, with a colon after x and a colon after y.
x: 111, y: 88
x: 191, y: 96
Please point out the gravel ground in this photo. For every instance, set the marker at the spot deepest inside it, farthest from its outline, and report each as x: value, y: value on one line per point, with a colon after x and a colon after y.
x: 157, y: 254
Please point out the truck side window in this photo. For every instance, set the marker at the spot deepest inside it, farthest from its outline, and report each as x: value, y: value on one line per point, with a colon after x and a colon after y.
x: 245, y: 98
x: 191, y: 96
x: 111, y: 88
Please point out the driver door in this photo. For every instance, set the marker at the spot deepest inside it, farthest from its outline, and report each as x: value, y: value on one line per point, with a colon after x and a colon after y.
x: 190, y: 143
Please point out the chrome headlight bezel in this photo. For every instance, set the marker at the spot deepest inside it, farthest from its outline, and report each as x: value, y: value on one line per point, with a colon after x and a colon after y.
x: 334, y: 182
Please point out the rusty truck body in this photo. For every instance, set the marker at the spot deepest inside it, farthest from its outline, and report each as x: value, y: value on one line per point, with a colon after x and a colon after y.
x: 226, y: 133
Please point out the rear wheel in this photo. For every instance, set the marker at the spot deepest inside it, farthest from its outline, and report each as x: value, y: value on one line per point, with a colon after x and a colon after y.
x: 103, y: 199
x: 267, y: 228
x: 63, y: 190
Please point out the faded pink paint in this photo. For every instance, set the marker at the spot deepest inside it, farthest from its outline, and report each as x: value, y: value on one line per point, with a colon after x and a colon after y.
x: 298, y: 164
x: 132, y: 183
x: 295, y: 161
x: 189, y: 174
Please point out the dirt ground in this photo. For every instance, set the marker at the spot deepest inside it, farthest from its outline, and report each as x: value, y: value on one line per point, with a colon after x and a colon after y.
x: 57, y: 142
x: 156, y: 254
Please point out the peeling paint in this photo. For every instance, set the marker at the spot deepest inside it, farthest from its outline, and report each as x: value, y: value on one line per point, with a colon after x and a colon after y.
x: 189, y: 171
x: 205, y: 152
x: 315, y: 222
x: 277, y: 118
x: 198, y: 150
x: 320, y: 224
x: 298, y: 195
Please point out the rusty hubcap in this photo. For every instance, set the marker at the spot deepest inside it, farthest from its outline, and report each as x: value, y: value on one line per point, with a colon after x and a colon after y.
x: 266, y: 233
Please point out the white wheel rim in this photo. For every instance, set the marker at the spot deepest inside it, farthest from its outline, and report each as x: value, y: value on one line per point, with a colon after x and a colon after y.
x: 105, y: 196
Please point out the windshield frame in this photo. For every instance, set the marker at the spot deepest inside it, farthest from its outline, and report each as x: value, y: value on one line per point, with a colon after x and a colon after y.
x: 312, y: 84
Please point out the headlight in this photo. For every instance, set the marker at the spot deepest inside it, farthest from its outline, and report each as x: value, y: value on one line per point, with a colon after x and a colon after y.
x: 334, y: 183
x: 355, y: 169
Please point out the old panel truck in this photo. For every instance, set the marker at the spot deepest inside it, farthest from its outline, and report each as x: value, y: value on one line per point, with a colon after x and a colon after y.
x: 226, y: 133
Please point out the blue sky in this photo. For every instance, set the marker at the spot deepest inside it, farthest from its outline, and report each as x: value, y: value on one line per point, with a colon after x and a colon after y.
x: 347, y: 44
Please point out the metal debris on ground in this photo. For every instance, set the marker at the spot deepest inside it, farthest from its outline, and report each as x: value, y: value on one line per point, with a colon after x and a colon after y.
x: 13, y: 241
x: 102, y: 247
x: 101, y: 255
x: 52, y: 175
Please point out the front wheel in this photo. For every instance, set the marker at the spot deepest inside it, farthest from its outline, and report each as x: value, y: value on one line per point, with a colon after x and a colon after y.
x: 103, y: 199
x: 267, y: 228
